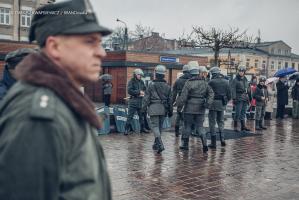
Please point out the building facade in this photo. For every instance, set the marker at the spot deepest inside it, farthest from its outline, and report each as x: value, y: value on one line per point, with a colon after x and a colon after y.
x: 15, y: 18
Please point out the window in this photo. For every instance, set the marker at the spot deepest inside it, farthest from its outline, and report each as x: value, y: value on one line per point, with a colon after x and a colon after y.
x: 286, y: 64
x: 293, y: 65
x: 279, y: 65
x: 256, y: 63
x: 5, y: 16
x: 25, y: 18
x: 286, y: 52
x: 272, y: 65
x: 247, y: 62
x: 279, y: 51
x: 264, y: 64
x: 272, y: 51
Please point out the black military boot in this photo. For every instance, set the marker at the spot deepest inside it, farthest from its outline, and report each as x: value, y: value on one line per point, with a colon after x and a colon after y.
x: 243, y: 126
x: 236, y: 126
x: 160, y: 145
x: 185, y: 144
x: 155, y: 145
x: 213, y: 142
x: 262, y: 125
x: 177, y: 131
x: 222, y: 139
x: 205, y: 148
x: 257, y: 125
x: 127, y: 129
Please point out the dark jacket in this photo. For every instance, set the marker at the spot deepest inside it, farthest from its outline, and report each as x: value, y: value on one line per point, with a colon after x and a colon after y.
x: 48, y: 143
x: 178, y: 86
x: 6, y: 82
x: 295, y: 92
x: 107, y: 88
x: 282, y: 93
x: 196, y: 96
x: 260, y: 91
x: 158, y: 98
x: 134, y: 88
x: 239, y: 87
x: 222, y: 92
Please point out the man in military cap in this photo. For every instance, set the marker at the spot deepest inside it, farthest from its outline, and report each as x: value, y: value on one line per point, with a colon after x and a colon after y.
x: 222, y: 95
x: 177, y: 89
x: 136, y: 89
x: 261, y: 96
x: 196, y: 96
x: 158, y: 100
x: 239, y: 86
x: 12, y: 59
x: 52, y: 152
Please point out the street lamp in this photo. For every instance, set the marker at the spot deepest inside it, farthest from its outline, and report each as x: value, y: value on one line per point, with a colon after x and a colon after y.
x: 126, y: 34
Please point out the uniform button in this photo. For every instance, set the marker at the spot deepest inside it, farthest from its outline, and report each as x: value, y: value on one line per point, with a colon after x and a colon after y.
x: 43, y: 104
x: 44, y: 101
x: 44, y: 98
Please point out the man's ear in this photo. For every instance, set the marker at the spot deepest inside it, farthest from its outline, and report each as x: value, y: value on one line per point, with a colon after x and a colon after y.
x: 52, y: 47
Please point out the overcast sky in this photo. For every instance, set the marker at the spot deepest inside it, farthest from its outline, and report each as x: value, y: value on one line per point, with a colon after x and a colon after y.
x: 277, y: 19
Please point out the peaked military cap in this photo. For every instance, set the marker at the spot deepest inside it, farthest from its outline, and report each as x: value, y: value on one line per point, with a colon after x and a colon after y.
x: 72, y: 17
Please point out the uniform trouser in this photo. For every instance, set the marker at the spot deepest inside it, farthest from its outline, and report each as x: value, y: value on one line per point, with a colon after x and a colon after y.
x: 197, y: 120
x: 178, y: 119
x: 106, y: 99
x: 132, y: 110
x: 260, y: 113
x: 240, y: 110
x: 280, y: 111
x: 156, y: 122
x: 295, y: 110
x: 214, y: 116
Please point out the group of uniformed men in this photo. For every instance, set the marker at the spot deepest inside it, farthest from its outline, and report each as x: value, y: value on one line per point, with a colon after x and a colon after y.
x: 193, y: 93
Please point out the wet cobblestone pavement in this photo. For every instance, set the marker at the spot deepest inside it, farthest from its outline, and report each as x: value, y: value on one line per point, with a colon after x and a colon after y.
x: 261, y: 167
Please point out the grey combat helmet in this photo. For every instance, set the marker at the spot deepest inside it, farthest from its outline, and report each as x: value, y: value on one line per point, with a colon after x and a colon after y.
x: 241, y: 68
x: 262, y: 79
x: 160, y: 69
x: 193, y: 67
x: 138, y: 72
x: 203, y: 69
x: 185, y: 68
x: 215, y: 70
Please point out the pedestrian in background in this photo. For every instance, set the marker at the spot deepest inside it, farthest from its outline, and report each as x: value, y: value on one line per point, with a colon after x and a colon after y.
x: 261, y: 96
x: 295, y: 96
x: 49, y: 148
x: 271, y: 98
x: 136, y: 90
x: 177, y: 90
x: 252, y: 100
x: 222, y: 95
x: 12, y: 59
x: 282, y: 96
x: 195, y: 98
x: 158, y: 103
x: 107, y: 91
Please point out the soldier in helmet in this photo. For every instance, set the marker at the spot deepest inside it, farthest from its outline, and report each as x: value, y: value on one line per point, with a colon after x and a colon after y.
x: 204, y: 72
x: 177, y: 89
x: 239, y: 86
x: 196, y: 96
x: 261, y: 96
x: 222, y: 95
x: 158, y: 102
x: 136, y: 89
x: 12, y: 59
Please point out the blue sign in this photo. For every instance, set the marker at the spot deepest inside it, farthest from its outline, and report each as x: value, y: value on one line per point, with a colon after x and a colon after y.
x: 169, y: 59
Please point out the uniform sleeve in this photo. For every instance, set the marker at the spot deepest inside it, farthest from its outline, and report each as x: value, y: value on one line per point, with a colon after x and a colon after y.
x: 132, y: 91
x: 146, y: 98
x: 169, y: 100
x: 210, y: 95
x: 31, y: 161
x: 228, y: 92
x: 182, y: 99
x: 174, y: 92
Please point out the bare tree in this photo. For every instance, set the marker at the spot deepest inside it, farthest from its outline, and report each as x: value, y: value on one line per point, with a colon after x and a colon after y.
x: 141, y: 31
x: 216, y: 39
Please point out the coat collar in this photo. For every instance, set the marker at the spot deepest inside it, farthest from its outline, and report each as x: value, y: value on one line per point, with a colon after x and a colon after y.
x: 37, y: 69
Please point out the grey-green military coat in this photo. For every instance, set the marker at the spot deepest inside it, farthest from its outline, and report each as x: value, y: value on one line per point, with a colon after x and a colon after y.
x: 48, y: 152
x: 196, y: 96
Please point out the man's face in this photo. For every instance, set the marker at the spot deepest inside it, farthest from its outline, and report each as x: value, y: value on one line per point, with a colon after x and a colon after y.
x: 241, y: 73
x: 262, y: 83
x: 81, y: 56
x: 138, y: 76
